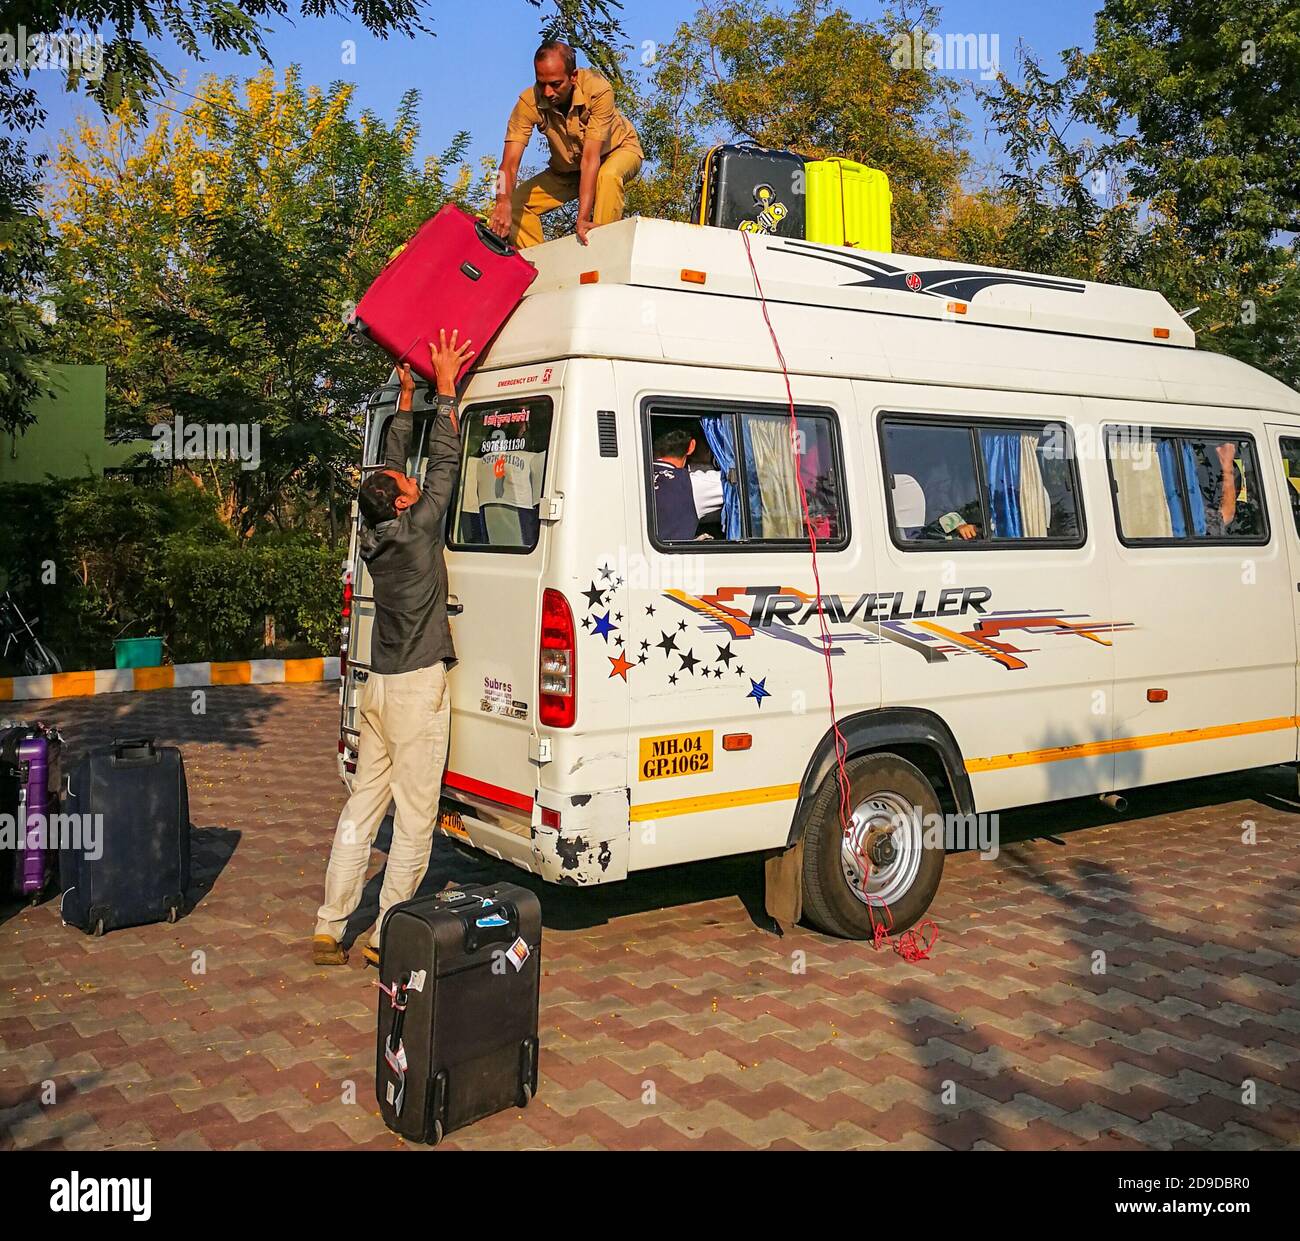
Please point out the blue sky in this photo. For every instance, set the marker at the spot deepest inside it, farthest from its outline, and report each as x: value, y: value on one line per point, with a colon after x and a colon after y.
x: 471, y: 72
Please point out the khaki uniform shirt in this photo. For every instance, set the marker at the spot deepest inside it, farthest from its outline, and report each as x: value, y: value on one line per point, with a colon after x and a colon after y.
x: 591, y: 115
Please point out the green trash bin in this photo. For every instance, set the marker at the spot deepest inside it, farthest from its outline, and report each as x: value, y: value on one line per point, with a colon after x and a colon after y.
x: 138, y: 652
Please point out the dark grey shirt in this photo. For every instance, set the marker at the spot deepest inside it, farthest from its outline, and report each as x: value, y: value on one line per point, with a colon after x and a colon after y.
x: 405, y: 557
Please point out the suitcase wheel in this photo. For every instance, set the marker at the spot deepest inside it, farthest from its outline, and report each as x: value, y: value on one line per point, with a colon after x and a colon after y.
x: 173, y: 914
x: 436, y: 1137
x: 525, y: 1094
x: 98, y: 928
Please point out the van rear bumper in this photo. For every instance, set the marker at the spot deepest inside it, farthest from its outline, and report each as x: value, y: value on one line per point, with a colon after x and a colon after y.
x: 590, y: 845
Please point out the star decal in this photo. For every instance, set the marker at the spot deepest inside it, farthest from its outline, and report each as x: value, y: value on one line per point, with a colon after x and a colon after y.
x: 672, y: 678
x: 717, y: 673
x: 645, y: 644
x: 726, y: 654
x: 586, y: 622
x: 621, y: 665
x: 758, y: 693
x: 649, y: 609
x: 603, y: 627
x: 669, y: 643
x: 641, y: 658
x: 688, y: 662
x: 605, y: 572
x: 618, y: 616
x: 595, y: 596
x: 740, y: 672
x: 681, y: 625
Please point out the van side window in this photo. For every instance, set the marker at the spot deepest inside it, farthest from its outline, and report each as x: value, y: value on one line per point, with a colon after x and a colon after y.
x: 1291, y: 468
x: 502, y: 467
x: 733, y: 477
x: 973, y: 483
x: 1174, y: 487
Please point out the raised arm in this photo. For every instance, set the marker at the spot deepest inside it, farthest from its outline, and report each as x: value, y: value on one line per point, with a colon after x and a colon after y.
x: 444, y: 438
x: 397, y: 439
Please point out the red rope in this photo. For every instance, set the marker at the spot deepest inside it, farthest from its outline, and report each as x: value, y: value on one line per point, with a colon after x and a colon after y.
x: 910, y: 946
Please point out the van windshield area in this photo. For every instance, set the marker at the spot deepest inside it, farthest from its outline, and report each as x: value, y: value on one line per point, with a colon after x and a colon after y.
x: 735, y: 477
x: 503, y: 467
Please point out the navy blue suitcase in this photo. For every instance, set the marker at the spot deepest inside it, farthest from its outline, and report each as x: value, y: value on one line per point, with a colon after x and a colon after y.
x: 135, y: 794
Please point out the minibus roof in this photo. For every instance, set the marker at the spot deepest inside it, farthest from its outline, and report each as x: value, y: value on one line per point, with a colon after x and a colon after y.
x: 713, y: 261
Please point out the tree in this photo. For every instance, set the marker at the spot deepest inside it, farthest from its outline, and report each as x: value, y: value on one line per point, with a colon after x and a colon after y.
x: 129, y: 74
x: 1095, y: 193
x: 255, y: 221
x: 811, y: 79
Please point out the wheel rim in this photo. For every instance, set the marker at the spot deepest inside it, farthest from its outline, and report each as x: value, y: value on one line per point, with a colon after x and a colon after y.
x: 882, y: 815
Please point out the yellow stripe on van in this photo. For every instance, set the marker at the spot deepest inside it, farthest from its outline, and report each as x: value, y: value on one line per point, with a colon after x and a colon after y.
x: 1120, y: 745
x: 713, y: 801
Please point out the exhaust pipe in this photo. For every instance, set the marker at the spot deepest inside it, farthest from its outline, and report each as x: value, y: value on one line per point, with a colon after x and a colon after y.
x: 1116, y: 801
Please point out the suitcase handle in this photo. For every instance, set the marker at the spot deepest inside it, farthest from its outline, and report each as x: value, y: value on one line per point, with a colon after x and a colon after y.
x: 477, y: 936
x: 127, y: 751
x: 498, y: 245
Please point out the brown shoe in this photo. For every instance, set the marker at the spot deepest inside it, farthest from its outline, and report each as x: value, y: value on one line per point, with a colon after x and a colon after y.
x: 326, y: 950
x: 371, y: 955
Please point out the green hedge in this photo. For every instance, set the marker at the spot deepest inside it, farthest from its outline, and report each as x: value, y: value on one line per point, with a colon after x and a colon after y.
x: 99, y: 559
x: 219, y: 597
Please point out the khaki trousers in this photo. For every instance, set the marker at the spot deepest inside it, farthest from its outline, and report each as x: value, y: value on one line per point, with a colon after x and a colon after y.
x: 404, y: 722
x: 546, y: 191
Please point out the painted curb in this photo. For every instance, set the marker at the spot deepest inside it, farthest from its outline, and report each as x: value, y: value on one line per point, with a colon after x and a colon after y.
x: 169, y: 676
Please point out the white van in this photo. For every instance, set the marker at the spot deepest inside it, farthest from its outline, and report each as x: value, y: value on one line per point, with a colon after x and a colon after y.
x: 1057, y: 546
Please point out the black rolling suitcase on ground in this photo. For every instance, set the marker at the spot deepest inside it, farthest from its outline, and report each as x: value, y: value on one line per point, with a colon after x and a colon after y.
x: 752, y: 188
x: 133, y: 866
x: 460, y: 974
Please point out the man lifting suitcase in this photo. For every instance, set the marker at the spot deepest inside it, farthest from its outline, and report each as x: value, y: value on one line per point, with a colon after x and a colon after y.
x: 404, y: 711
x: 594, y: 150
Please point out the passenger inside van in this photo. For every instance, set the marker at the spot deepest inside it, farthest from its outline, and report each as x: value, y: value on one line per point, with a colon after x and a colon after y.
x: 685, y: 498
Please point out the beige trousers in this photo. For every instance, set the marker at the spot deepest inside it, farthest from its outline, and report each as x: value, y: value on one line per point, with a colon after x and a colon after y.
x: 533, y: 198
x: 404, y: 721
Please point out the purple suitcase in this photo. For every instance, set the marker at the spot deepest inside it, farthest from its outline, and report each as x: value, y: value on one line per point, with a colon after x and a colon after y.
x: 29, y: 776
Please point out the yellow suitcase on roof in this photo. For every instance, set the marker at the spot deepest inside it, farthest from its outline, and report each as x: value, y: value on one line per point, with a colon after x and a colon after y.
x: 848, y: 204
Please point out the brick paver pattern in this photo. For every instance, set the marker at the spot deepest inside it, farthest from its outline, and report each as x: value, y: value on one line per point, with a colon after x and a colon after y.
x: 671, y: 1016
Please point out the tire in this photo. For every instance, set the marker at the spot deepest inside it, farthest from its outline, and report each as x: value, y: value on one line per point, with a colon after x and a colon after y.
x: 885, y: 792
x: 39, y: 660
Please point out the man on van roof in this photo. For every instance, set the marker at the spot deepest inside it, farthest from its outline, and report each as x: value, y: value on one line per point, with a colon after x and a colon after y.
x: 594, y: 150
x: 403, y: 707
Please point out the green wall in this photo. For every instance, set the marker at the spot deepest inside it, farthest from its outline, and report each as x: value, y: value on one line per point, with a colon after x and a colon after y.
x: 67, y: 439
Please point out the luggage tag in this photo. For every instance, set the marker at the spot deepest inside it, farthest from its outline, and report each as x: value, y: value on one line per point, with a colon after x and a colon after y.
x: 518, y: 953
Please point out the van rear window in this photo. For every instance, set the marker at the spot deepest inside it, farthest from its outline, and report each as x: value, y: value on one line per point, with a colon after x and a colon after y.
x: 504, y: 445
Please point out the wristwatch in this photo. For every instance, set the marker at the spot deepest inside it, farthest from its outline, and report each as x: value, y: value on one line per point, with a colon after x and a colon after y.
x: 444, y: 402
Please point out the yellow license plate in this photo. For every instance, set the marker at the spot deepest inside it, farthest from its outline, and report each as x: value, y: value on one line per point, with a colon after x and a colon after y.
x: 449, y: 821
x: 678, y: 754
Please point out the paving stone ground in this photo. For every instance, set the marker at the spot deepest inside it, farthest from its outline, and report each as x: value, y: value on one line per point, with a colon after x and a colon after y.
x: 671, y: 1018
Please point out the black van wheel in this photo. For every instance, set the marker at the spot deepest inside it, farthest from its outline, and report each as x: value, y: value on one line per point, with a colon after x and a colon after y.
x: 881, y: 871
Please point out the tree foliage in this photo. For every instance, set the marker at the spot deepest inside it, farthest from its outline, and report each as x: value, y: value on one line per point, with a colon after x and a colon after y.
x: 257, y: 218
x: 810, y: 78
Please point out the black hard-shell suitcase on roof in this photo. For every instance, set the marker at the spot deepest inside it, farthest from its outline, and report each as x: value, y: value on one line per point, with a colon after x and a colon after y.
x: 459, y: 976
x: 135, y: 794
x: 749, y: 187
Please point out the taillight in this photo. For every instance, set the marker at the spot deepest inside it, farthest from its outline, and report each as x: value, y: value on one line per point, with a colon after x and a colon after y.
x: 345, y: 622
x: 558, y: 677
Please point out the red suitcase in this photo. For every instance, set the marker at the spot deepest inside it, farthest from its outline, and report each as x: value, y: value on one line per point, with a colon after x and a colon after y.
x: 454, y: 273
